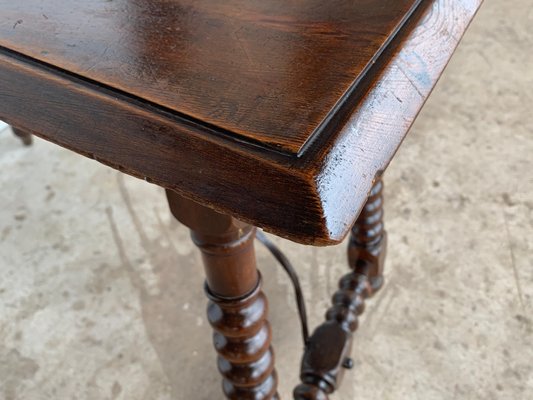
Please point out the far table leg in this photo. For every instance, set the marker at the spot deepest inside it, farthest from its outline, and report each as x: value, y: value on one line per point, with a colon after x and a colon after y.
x: 328, y: 351
x: 237, y: 308
x: 23, y: 135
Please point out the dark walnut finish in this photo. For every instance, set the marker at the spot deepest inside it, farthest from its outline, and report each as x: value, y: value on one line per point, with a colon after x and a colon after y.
x: 268, y: 71
x: 299, y: 104
x: 237, y: 308
x: 327, y: 352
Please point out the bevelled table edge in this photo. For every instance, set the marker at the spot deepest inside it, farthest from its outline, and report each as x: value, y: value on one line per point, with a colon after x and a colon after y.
x: 313, y: 199
x: 367, y: 142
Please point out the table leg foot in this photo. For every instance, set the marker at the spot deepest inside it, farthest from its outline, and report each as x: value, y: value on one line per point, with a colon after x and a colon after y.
x: 25, y: 137
x: 237, y: 308
x: 327, y: 353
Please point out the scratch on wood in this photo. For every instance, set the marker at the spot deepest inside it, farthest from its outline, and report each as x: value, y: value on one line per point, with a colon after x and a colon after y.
x: 412, y: 83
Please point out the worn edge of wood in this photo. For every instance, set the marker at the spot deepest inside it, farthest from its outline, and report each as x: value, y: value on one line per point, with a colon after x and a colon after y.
x: 312, y: 200
x: 341, y: 107
x: 365, y: 144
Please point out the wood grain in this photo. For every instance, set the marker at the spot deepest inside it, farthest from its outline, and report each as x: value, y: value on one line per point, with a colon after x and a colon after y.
x: 313, y: 198
x: 268, y: 71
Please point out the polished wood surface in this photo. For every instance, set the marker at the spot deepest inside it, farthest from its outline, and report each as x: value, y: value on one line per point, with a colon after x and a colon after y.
x: 267, y: 71
x: 237, y: 308
x: 313, y: 198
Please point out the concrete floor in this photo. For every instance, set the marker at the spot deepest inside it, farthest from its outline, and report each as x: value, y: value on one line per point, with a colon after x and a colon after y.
x: 101, y: 292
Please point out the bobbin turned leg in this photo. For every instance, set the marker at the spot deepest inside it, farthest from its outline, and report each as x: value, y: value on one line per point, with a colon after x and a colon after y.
x: 23, y: 135
x: 327, y: 353
x: 237, y: 308
x: 368, y: 240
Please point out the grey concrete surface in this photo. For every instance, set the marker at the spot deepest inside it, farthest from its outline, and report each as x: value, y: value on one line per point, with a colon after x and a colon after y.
x: 101, y: 291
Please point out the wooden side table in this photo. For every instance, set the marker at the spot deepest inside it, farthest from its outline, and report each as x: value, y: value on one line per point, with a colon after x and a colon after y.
x: 272, y: 114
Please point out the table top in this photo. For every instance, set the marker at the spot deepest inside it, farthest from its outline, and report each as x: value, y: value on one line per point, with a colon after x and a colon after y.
x: 278, y: 112
x: 271, y: 72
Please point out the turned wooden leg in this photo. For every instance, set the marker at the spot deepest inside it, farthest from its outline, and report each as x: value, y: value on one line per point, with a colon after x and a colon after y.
x: 368, y: 240
x: 328, y: 350
x: 237, y: 308
x: 26, y: 137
